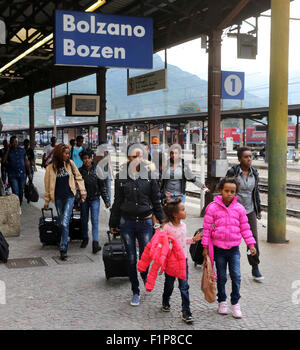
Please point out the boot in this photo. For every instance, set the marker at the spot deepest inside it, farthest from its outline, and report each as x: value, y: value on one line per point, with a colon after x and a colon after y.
x: 96, y: 247
x: 63, y: 255
x: 84, y: 242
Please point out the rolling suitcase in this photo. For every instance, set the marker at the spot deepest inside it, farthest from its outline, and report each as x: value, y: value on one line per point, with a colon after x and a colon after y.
x: 196, y: 251
x: 114, y: 257
x: 50, y: 233
x: 75, y: 228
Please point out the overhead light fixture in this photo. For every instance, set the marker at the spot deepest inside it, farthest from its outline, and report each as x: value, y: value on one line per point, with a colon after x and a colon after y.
x: 92, y: 8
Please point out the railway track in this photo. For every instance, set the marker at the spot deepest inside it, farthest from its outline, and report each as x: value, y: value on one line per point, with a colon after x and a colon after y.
x: 290, y: 212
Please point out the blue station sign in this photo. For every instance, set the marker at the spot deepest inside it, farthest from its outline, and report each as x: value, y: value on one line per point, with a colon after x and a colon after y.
x: 92, y: 39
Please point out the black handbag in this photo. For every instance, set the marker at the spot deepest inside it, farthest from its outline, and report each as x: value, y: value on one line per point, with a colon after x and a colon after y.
x: 31, y: 192
x: 4, y: 249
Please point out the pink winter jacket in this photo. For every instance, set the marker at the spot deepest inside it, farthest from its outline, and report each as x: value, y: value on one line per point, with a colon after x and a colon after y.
x: 166, y: 254
x: 226, y: 226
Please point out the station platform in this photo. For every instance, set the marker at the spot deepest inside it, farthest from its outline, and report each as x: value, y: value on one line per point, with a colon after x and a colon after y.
x: 76, y: 295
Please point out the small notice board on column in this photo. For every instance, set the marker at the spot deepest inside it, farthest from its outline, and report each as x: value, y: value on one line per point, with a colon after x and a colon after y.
x: 147, y: 82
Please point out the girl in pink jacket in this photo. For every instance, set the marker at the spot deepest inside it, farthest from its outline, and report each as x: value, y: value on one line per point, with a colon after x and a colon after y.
x: 175, y: 212
x: 225, y: 223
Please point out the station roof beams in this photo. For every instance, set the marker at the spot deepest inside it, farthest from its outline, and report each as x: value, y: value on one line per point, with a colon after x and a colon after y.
x: 29, y: 22
x: 251, y: 113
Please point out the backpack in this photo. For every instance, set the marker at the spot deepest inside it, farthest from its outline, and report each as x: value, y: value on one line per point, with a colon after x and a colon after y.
x: 4, y: 251
x: 31, y: 193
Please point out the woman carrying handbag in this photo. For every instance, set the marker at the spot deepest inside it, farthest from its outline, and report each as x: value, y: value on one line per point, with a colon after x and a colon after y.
x: 61, y: 179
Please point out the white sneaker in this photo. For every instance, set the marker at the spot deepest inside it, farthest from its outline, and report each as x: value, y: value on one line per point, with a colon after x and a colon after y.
x: 236, y: 311
x: 222, y: 309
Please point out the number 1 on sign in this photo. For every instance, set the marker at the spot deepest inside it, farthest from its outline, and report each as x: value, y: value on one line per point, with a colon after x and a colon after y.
x: 233, y: 84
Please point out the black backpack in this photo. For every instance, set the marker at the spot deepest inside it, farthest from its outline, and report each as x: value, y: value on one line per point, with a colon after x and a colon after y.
x: 31, y: 192
x: 4, y: 251
x: 196, y: 251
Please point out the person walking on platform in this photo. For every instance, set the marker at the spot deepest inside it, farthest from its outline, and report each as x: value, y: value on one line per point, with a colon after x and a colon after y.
x: 225, y: 224
x: 176, y: 174
x: 95, y: 188
x: 3, y: 165
x: 18, y: 167
x: 136, y: 202
x: 30, y: 156
x: 175, y: 227
x: 60, y: 180
x: 249, y: 197
x: 48, y: 152
x: 76, y: 151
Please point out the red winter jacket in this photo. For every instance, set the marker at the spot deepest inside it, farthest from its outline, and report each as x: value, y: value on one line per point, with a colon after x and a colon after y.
x: 166, y: 254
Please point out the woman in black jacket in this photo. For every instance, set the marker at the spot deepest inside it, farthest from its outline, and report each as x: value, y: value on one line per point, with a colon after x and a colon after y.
x: 95, y: 188
x: 136, y: 207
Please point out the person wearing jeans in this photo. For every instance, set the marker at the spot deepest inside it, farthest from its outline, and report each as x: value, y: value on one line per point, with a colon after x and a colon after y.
x: 60, y: 181
x: 142, y: 230
x: 95, y: 188
x: 17, y: 166
x: 232, y: 258
x: 64, y: 208
x: 136, y: 208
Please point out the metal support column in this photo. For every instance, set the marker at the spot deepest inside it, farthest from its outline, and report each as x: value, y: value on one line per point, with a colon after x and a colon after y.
x: 278, y: 121
x: 101, y: 90
x: 31, y: 121
x: 214, y: 108
x: 297, y: 134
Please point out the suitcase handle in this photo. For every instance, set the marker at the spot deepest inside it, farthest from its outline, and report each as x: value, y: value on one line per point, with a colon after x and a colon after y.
x: 109, y: 240
x: 49, y: 209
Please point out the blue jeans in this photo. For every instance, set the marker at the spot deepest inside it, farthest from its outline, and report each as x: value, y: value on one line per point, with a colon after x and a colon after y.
x: 130, y: 230
x: 64, y: 208
x: 183, y: 287
x: 231, y: 257
x: 94, y: 208
x: 17, y: 186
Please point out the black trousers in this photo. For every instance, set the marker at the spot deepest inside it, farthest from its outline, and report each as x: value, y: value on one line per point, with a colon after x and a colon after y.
x: 253, y: 260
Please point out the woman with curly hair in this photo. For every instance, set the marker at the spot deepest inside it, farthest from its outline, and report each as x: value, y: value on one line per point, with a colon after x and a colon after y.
x: 60, y: 180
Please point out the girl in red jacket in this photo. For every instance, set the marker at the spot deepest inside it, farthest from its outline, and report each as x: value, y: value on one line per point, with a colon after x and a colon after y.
x: 175, y: 212
x: 225, y: 224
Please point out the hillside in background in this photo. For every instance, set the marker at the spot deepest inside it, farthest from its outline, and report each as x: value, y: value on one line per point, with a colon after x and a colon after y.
x: 185, y: 90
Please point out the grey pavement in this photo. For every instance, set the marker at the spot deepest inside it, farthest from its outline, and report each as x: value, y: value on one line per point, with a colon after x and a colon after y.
x: 76, y: 295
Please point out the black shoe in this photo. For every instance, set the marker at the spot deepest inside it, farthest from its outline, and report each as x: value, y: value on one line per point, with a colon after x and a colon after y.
x: 187, y: 316
x: 84, y: 243
x: 96, y: 247
x: 63, y: 255
x: 166, y: 306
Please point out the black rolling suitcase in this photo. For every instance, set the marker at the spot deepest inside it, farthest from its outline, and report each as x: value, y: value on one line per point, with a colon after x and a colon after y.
x: 114, y: 257
x: 196, y: 251
x: 50, y: 233
x: 75, y: 227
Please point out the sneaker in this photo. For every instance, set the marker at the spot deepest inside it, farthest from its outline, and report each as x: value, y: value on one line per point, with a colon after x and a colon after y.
x: 135, y: 301
x: 236, y: 311
x: 257, y: 276
x: 166, y: 306
x: 222, y: 309
x: 187, y: 317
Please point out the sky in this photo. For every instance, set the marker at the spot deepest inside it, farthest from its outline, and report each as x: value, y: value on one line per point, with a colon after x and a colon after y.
x: 190, y: 57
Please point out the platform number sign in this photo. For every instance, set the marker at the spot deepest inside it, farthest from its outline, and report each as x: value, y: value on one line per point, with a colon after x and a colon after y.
x: 233, y: 85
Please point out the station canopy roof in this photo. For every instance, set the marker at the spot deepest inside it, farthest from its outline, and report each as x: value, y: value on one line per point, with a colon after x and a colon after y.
x: 28, y: 22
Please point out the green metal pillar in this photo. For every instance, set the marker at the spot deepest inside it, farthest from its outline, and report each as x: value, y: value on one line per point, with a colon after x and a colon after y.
x: 278, y: 121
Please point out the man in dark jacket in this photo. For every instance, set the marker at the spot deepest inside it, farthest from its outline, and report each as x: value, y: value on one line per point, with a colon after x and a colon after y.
x: 136, y: 206
x: 95, y: 188
x: 249, y: 198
